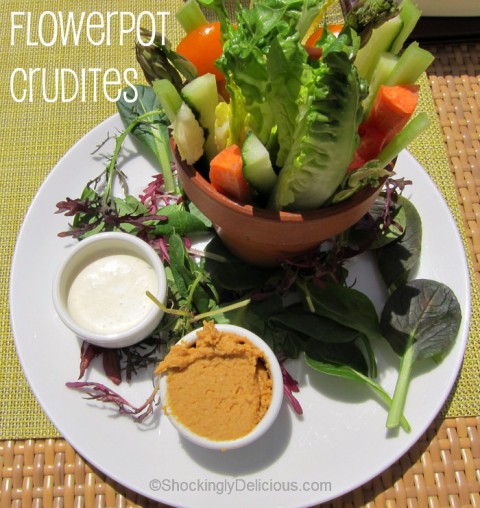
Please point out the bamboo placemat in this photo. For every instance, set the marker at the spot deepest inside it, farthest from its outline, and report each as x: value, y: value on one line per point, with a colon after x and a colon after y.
x: 441, y: 469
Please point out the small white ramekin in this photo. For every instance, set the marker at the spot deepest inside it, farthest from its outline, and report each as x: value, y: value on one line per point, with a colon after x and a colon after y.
x: 93, y: 246
x: 265, y: 423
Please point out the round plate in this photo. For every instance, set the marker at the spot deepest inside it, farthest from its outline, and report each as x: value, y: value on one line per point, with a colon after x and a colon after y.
x: 338, y: 444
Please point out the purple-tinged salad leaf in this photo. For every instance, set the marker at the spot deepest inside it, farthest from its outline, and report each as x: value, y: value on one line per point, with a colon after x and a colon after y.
x: 290, y: 386
x: 102, y: 393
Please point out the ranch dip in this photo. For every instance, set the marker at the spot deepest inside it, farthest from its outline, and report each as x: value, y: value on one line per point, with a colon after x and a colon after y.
x: 107, y: 295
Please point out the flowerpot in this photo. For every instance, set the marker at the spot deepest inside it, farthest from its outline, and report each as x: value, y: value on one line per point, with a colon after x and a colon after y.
x: 265, y: 237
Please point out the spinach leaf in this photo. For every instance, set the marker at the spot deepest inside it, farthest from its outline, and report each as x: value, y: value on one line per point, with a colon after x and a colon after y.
x: 178, y: 221
x: 420, y: 320
x: 229, y: 272
x: 152, y: 132
x: 397, y: 260
x: 259, y: 317
x: 350, y: 308
x: 345, y: 361
x: 314, y: 326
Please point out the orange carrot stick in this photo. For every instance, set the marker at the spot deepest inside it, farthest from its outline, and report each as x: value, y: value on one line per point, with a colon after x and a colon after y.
x: 392, y: 109
x: 226, y: 174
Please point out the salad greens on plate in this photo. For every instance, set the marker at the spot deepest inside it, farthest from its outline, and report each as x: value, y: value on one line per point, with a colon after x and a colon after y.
x: 311, y: 124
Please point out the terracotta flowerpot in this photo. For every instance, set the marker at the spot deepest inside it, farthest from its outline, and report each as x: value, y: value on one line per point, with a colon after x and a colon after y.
x: 264, y: 237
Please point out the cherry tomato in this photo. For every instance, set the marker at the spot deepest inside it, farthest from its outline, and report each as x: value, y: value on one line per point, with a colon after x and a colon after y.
x: 312, y: 40
x: 202, y: 47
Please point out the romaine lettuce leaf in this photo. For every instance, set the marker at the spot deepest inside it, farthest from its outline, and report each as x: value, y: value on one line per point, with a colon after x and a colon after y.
x: 325, y: 136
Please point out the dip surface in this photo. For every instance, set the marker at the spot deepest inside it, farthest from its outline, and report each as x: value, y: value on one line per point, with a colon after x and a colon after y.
x: 220, y: 387
x: 107, y: 295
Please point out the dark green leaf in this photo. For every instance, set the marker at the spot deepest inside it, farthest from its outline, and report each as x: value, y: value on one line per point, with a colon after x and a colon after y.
x: 347, y: 307
x: 420, y: 320
x: 232, y: 273
x: 178, y: 221
x: 425, y: 312
x: 342, y: 360
x: 398, y: 259
x: 314, y: 326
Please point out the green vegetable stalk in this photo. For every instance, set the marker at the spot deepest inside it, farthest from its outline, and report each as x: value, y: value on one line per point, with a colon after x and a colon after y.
x: 420, y: 320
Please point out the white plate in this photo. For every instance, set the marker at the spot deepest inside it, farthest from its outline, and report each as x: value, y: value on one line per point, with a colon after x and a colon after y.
x: 340, y: 442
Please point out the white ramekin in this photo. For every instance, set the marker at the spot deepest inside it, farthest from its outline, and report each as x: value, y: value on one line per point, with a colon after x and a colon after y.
x: 272, y: 411
x: 93, y: 246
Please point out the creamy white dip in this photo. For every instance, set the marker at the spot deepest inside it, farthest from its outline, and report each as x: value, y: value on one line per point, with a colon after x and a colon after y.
x: 108, y: 294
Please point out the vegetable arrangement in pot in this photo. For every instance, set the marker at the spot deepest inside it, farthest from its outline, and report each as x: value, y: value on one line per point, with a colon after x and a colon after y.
x: 285, y: 119
x: 307, y: 120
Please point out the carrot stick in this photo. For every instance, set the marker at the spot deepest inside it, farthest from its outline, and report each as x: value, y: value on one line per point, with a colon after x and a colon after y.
x: 392, y: 109
x: 226, y: 174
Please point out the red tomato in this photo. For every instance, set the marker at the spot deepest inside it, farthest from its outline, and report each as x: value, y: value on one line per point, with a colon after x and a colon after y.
x: 312, y: 40
x: 202, y: 47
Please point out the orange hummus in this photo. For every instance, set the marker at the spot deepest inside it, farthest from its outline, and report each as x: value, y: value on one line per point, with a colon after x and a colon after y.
x: 219, y: 387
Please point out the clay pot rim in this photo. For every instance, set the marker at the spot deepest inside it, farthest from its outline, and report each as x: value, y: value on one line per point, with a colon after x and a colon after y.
x: 248, y: 210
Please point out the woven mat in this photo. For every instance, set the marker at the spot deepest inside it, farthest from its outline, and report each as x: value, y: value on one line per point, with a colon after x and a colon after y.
x: 35, y: 134
x: 439, y: 470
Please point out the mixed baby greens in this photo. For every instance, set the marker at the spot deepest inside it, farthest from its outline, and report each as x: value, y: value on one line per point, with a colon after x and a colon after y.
x: 304, y: 308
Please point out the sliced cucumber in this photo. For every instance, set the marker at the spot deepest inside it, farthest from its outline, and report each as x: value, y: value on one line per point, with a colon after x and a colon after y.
x: 188, y: 135
x: 201, y: 95
x: 257, y: 166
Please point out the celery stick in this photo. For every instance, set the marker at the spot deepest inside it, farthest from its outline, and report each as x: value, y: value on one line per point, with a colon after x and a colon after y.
x: 168, y: 96
x: 380, y: 42
x: 411, y: 64
x: 409, y: 14
x: 384, y: 68
x: 190, y: 16
x: 415, y: 127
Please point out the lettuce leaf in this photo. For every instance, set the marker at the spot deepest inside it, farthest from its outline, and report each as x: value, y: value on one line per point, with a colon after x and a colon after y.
x: 325, y: 136
x: 305, y: 112
x: 247, y: 41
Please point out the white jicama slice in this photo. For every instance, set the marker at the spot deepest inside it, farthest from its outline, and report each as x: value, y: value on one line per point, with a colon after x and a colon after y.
x: 188, y: 135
